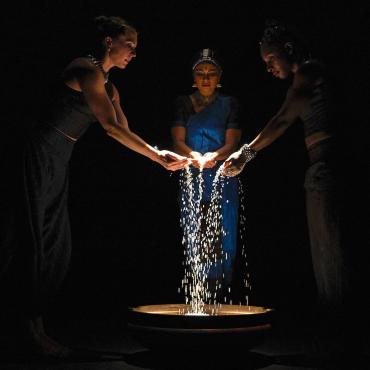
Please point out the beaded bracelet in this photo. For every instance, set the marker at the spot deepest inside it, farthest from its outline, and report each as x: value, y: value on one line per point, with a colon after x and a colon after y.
x: 248, y: 152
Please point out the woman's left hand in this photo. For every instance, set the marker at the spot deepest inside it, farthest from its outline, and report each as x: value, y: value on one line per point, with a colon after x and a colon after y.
x: 172, y: 161
x: 209, y: 159
x: 234, y: 164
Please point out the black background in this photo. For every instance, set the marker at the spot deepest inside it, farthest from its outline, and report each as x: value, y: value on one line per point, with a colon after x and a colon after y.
x: 125, y: 219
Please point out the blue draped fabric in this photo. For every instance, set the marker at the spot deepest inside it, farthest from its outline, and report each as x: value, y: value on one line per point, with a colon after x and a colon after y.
x: 205, y: 132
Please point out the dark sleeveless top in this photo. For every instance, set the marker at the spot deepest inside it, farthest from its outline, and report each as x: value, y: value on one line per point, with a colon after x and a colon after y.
x: 318, y: 113
x: 68, y: 110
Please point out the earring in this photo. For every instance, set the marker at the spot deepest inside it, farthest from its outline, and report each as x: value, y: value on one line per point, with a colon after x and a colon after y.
x: 194, y: 85
x: 218, y: 86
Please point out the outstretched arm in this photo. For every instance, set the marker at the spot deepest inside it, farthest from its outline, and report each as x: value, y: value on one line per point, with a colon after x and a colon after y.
x: 232, y: 138
x: 290, y: 110
x: 178, y: 134
x: 278, y: 124
x: 113, y: 120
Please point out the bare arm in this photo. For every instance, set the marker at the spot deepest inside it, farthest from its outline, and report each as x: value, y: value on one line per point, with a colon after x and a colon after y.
x: 178, y: 138
x: 178, y: 134
x: 232, y: 138
x: 286, y: 116
x: 129, y: 139
x: 113, y: 120
x: 295, y: 101
x: 110, y: 114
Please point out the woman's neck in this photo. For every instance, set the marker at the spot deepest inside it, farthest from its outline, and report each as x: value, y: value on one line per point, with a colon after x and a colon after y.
x: 203, y: 100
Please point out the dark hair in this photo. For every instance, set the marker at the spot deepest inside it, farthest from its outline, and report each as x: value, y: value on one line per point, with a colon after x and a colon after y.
x: 103, y: 26
x: 279, y: 34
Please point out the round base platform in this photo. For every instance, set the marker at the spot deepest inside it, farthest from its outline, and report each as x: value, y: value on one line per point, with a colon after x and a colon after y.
x: 167, y: 326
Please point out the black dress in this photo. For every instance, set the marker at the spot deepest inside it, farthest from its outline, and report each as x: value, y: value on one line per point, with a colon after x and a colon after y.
x: 35, y: 234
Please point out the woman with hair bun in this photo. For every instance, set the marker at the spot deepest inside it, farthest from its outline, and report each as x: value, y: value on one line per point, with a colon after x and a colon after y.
x: 311, y: 100
x: 39, y: 254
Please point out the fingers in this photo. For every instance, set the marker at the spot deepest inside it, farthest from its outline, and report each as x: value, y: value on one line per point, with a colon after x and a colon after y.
x: 210, y: 164
x: 172, y: 157
x: 173, y: 162
x: 175, y: 165
x: 226, y: 167
x: 227, y: 163
x: 231, y: 171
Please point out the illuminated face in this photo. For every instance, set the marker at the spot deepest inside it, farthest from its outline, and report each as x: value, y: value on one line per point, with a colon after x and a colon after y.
x: 123, y: 49
x: 276, y: 60
x: 206, y: 77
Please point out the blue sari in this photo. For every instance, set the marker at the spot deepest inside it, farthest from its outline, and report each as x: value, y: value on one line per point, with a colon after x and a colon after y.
x: 205, y: 132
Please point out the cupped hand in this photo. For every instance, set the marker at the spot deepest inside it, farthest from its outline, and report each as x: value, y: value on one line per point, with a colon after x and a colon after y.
x: 172, y: 161
x: 234, y: 164
x: 209, y: 159
x: 196, y: 159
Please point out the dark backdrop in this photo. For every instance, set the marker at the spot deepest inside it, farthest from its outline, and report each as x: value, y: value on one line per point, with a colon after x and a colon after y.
x: 125, y: 220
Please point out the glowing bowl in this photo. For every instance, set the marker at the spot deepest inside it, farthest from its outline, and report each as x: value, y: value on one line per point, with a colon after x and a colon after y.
x: 168, y: 325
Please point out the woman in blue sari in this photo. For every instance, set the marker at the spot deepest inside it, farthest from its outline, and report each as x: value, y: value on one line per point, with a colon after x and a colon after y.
x: 206, y: 129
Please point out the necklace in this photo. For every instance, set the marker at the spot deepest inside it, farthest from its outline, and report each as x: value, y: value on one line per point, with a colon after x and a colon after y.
x: 202, y: 101
x: 98, y: 63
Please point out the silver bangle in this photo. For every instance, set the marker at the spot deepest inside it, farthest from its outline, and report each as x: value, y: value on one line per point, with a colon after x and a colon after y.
x: 235, y: 169
x: 248, y: 152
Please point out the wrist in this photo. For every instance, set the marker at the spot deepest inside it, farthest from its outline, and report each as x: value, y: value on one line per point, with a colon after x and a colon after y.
x: 153, y: 153
x: 247, y: 152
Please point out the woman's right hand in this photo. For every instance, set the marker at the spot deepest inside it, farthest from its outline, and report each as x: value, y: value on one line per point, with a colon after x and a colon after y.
x: 171, y: 161
x: 234, y: 164
x: 209, y: 159
x: 196, y: 159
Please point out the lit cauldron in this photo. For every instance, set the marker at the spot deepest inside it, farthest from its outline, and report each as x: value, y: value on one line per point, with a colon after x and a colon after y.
x: 230, y: 326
